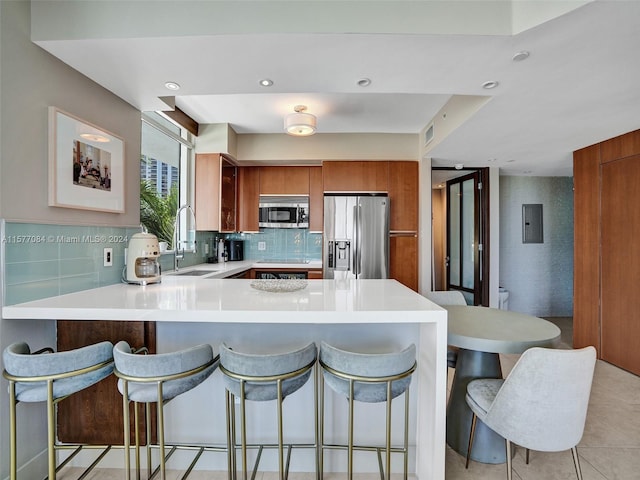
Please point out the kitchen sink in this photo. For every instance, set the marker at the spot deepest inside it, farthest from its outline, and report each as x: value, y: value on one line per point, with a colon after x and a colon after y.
x: 196, y: 273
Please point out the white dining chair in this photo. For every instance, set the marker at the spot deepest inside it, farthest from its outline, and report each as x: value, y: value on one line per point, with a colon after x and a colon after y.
x: 541, y: 405
x: 448, y: 297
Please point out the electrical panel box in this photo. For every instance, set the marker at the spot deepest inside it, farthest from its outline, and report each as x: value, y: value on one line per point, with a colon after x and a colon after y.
x: 532, y: 223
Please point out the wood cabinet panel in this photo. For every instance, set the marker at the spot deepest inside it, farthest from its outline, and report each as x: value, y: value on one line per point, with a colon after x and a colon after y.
x: 403, y: 259
x: 284, y: 180
x: 620, y: 259
x: 207, y: 191
x: 316, y: 200
x: 315, y: 275
x: 620, y: 147
x: 403, y: 194
x: 228, y: 198
x: 355, y: 176
x: 94, y: 415
x: 248, y: 198
x: 586, y: 251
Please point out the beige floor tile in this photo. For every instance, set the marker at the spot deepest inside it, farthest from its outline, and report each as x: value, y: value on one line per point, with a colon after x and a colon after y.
x: 614, y: 463
x: 616, y: 425
x: 552, y: 466
x: 454, y: 469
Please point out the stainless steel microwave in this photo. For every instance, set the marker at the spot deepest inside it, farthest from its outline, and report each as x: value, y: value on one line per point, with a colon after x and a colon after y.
x: 283, y: 212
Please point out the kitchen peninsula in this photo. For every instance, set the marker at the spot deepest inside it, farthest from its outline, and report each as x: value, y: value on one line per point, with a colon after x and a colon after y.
x: 373, y: 315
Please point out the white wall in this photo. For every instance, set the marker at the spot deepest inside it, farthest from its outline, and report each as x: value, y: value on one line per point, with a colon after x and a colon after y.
x: 30, y: 81
x: 539, y: 276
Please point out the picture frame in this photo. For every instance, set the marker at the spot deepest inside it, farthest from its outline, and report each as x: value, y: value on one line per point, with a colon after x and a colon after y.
x: 86, y: 165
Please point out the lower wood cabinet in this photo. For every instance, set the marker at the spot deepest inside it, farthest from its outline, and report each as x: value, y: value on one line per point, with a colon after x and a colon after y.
x: 403, y: 259
x: 94, y: 415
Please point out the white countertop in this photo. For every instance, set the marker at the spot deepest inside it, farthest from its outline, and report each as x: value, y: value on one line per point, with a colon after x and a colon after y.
x: 210, y: 299
x: 227, y: 269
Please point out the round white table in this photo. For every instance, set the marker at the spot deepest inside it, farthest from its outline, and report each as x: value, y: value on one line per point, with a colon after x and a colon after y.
x: 481, y: 333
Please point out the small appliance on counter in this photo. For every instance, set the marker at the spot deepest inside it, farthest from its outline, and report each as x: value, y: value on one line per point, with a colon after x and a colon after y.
x: 235, y: 249
x: 142, y: 265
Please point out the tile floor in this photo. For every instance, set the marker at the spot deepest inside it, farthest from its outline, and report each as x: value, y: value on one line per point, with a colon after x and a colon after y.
x: 610, y: 448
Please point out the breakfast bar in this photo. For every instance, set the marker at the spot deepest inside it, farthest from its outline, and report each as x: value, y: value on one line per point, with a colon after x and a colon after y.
x: 361, y: 315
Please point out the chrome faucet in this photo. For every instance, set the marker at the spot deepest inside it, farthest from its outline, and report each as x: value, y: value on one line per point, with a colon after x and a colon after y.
x: 176, y: 236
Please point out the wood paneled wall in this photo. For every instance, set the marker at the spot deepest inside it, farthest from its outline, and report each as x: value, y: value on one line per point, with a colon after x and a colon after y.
x: 606, y: 250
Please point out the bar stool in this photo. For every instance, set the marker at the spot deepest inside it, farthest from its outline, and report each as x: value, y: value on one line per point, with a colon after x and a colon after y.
x: 263, y: 378
x: 372, y: 378
x: 47, y: 376
x: 158, y: 378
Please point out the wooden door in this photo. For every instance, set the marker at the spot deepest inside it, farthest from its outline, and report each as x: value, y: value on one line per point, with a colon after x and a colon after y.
x: 403, y: 195
x: 620, y: 261
x: 284, y: 181
x: 403, y: 259
x: 355, y: 176
x: 316, y: 200
x: 228, y: 197
x: 94, y: 415
x: 248, y: 198
x: 207, y: 191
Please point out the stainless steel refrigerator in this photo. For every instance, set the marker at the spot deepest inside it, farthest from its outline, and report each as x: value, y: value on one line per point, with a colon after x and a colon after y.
x: 356, y: 236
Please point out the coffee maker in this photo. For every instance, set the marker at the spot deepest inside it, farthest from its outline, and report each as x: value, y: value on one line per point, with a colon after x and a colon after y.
x: 142, y: 265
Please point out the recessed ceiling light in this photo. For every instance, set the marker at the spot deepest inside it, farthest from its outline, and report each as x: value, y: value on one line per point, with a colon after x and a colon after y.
x: 491, y: 160
x: 172, y: 86
x: 364, y: 82
x: 265, y: 82
x: 510, y: 161
x: 527, y: 172
x: 523, y: 55
x: 490, y: 84
x: 458, y: 166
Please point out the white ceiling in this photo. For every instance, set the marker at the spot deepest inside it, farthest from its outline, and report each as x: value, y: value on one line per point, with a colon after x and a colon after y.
x: 580, y: 85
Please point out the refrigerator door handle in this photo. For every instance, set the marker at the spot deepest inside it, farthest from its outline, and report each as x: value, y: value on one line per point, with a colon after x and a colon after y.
x: 357, y: 258
x: 331, y: 255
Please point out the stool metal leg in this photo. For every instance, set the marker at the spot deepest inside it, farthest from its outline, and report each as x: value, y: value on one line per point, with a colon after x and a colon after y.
x: 321, y: 429
x: 406, y: 433
x: 350, y: 444
x: 51, y: 431
x: 163, y: 471
x: 13, y: 431
x: 127, y: 433
x: 280, y: 435
x: 388, y: 439
x: 243, y: 431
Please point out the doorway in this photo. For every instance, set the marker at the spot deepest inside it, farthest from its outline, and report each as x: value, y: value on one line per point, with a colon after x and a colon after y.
x: 460, y: 256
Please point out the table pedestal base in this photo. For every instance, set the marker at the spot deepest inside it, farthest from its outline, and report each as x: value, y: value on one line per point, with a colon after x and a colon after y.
x: 488, y: 446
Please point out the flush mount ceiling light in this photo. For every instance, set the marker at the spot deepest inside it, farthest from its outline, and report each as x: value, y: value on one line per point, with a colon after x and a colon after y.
x: 172, y: 86
x: 300, y: 124
x: 265, y: 82
x: 490, y: 84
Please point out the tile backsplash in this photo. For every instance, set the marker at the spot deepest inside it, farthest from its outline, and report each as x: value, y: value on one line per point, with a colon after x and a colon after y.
x: 43, y: 260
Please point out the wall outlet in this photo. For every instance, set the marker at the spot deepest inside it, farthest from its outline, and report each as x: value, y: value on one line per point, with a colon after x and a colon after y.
x: 108, y: 257
x: 262, y: 246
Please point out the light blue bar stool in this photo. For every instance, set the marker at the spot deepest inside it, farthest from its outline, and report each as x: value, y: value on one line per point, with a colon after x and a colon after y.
x: 371, y: 378
x: 47, y: 376
x: 262, y: 378
x: 159, y: 378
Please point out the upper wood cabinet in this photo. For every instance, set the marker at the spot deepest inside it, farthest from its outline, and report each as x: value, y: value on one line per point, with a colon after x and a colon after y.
x: 355, y: 176
x: 403, y: 194
x: 215, y: 193
x: 316, y: 200
x: 248, y: 198
x: 284, y: 181
x: 208, y: 176
x: 228, y: 197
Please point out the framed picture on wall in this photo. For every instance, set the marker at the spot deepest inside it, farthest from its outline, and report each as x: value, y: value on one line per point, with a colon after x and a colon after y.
x: 86, y: 165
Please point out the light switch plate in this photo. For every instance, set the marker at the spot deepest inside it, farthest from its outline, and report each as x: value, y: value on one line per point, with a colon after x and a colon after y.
x: 108, y: 257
